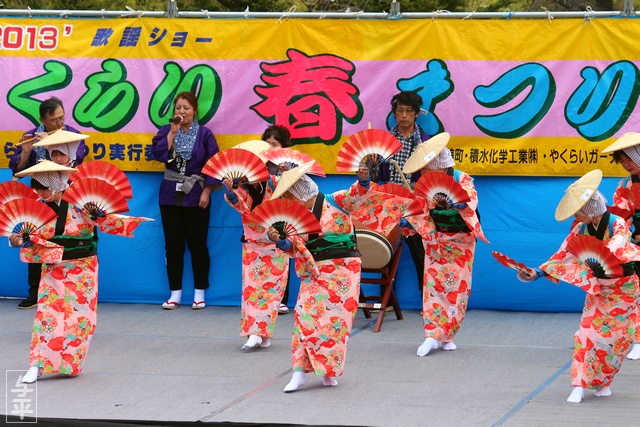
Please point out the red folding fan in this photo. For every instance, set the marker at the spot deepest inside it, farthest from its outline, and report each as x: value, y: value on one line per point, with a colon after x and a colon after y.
x: 596, y: 255
x: 107, y: 172
x: 292, y: 158
x: 288, y: 217
x: 24, y: 216
x: 237, y: 164
x: 510, y: 262
x: 440, y: 189
x: 97, y: 197
x: 358, y: 147
x: 416, y: 207
x: 12, y: 190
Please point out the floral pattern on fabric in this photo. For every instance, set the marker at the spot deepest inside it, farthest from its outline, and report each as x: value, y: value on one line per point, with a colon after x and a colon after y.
x: 622, y: 200
x: 380, y: 211
x: 66, y: 317
x: 609, y: 316
x: 67, y: 301
x: 324, y: 314
x: 328, y: 299
x: 265, y: 270
x: 120, y: 225
x: 448, y: 267
x: 41, y: 251
x: 67, y: 297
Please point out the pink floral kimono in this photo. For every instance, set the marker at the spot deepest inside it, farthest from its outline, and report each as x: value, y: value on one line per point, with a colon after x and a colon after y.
x: 609, y: 316
x: 68, y: 293
x: 622, y: 200
x: 448, y: 267
x: 329, y: 290
x: 265, y: 269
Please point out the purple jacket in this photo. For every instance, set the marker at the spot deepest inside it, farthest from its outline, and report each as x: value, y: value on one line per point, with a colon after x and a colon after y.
x: 13, y: 161
x: 204, y: 148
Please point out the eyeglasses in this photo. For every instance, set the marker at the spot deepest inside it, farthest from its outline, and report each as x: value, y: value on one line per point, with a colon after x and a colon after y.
x: 401, y: 111
x: 56, y: 119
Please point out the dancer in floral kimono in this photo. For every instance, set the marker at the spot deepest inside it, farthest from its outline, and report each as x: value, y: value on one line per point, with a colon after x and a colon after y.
x: 68, y: 293
x: 449, y: 236
x: 608, y: 319
x: 626, y: 152
x: 329, y: 268
x: 265, y: 268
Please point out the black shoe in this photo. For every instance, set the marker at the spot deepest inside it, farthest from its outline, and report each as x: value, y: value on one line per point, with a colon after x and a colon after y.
x: 28, y: 303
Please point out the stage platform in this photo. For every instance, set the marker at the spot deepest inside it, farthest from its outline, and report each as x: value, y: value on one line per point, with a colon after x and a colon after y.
x: 151, y: 365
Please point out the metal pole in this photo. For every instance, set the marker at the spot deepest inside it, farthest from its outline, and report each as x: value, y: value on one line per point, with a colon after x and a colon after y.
x: 28, y: 13
x: 172, y: 9
x: 628, y: 7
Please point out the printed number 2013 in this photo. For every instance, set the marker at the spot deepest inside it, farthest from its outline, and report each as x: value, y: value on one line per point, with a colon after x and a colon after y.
x: 16, y: 37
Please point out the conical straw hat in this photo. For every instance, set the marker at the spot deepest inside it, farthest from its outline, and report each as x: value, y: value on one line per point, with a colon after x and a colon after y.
x: 45, y: 166
x: 256, y: 146
x: 60, y: 136
x: 426, y: 152
x: 578, y: 194
x: 627, y: 140
x: 289, y: 178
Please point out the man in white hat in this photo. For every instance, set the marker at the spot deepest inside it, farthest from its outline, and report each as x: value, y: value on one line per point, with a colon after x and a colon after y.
x: 626, y: 152
x: 608, y: 318
x: 51, y: 118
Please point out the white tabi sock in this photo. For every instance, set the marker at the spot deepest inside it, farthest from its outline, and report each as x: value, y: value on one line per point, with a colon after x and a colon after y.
x: 176, y: 296
x: 297, y: 380
x: 428, y: 345
x: 32, y: 374
x: 603, y: 392
x: 449, y: 346
x: 576, y: 395
x: 634, y: 354
x: 328, y: 381
x: 253, y: 342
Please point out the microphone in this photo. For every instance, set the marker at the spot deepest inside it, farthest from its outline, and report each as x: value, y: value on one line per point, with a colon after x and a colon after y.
x: 175, y: 120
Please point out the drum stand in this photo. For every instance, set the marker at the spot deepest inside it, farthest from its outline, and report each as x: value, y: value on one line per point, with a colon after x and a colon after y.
x: 387, y: 296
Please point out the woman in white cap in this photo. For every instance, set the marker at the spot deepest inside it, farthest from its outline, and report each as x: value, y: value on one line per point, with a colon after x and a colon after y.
x: 265, y: 268
x: 329, y: 268
x: 64, y: 148
x: 450, y: 248
x: 608, y: 318
x: 626, y: 152
x: 66, y: 316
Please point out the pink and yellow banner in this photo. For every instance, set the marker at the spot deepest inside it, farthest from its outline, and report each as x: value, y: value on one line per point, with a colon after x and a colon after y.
x: 518, y: 97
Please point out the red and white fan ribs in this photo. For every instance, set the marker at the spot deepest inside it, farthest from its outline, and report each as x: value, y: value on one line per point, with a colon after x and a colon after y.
x: 288, y: 217
x: 236, y: 164
x: 12, y: 190
x: 24, y: 216
x: 596, y: 255
x: 106, y: 172
x: 439, y: 188
x: 510, y: 262
x: 97, y: 197
x: 357, y: 148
